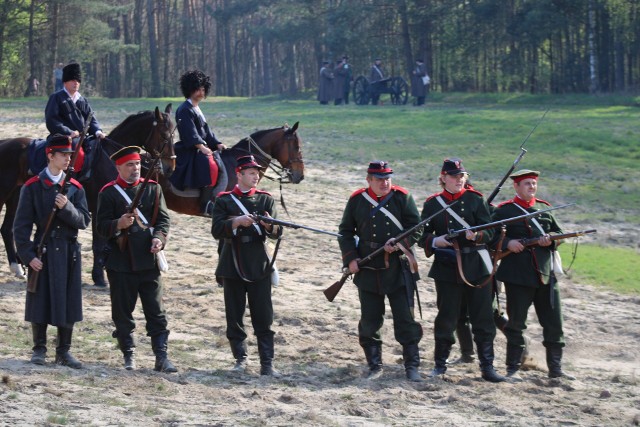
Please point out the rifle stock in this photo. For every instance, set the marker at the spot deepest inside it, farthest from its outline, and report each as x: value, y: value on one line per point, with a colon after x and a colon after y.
x: 32, y: 276
x: 333, y: 290
x: 123, y: 238
x: 534, y: 241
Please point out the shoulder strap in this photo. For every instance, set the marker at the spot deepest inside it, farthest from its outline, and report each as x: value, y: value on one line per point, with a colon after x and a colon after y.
x: 383, y: 210
x: 533, y: 220
x: 128, y: 199
x: 450, y: 211
x: 245, y: 211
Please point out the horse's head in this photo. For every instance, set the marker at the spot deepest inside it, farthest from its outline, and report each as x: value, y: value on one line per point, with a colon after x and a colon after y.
x: 153, y: 131
x: 284, y: 144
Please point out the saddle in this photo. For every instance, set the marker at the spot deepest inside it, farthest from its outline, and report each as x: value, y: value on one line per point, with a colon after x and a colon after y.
x: 37, y: 158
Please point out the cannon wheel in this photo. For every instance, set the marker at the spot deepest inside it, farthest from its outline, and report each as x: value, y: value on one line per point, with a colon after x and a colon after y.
x: 361, y: 91
x: 399, y: 90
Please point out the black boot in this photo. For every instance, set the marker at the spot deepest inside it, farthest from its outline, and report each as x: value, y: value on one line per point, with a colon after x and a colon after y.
x: 159, y: 346
x: 514, y: 361
x: 63, y: 356
x: 39, y: 331
x: 127, y: 347
x: 374, y: 361
x: 411, y: 355
x: 206, y: 202
x: 239, y: 350
x: 554, y: 363
x: 485, y: 355
x: 440, y: 356
x: 467, y: 355
x: 266, y: 351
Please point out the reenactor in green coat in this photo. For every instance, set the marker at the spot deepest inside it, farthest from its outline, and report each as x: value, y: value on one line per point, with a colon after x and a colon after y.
x: 244, y: 265
x: 528, y: 275
x: 371, y: 219
x: 470, y: 210
x: 132, y: 265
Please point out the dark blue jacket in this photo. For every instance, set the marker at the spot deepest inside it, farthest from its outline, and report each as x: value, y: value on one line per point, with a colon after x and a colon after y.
x: 192, y: 167
x: 63, y: 117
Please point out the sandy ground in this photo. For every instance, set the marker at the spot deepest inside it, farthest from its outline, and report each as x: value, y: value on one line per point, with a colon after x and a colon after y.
x: 316, y: 349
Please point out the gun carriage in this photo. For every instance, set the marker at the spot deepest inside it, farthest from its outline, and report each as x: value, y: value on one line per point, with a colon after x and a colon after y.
x: 396, y: 87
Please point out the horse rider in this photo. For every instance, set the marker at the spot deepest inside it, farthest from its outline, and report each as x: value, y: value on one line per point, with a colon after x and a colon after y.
x: 198, y: 161
x: 67, y: 111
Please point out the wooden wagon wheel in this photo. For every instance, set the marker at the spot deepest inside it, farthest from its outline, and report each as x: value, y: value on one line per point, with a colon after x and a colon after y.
x: 399, y: 90
x: 361, y: 90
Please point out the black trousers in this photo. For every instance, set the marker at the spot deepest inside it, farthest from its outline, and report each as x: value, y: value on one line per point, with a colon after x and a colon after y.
x: 125, y: 289
x: 258, y: 294
x: 479, y: 305
x: 519, y: 299
x: 372, y: 307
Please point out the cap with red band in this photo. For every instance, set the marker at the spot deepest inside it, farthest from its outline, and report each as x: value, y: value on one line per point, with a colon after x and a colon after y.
x: 247, y: 162
x: 59, y: 144
x: 126, y: 154
x: 524, y: 174
x: 380, y: 169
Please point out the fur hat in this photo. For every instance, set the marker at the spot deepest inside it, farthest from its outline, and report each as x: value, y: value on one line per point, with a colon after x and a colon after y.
x: 71, y: 72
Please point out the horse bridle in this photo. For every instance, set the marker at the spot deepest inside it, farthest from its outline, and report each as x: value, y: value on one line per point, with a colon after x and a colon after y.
x: 166, y: 140
x: 285, y: 172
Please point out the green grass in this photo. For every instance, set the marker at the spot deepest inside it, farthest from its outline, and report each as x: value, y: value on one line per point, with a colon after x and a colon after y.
x: 615, y: 268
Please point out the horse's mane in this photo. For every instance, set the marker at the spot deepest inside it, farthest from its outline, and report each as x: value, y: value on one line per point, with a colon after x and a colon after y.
x: 127, y: 122
x: 259, y: 134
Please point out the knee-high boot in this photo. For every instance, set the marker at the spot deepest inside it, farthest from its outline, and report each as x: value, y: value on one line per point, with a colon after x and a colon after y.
x: 373, y: 353
x: 266, y: 352
x: 159, y: 346
x: 63, y: 356
x: 39, y: 331
x: 440, y: 356
x: 411, y: 355
x: 486, y: 356
x: 465, y: 340
x: 127, y: 347
x: 514, y: 361
x: 554, y: 363
x: 239, y: 351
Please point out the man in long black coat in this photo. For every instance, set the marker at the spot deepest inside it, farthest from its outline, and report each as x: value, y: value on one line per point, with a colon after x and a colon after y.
x: 57, y: 300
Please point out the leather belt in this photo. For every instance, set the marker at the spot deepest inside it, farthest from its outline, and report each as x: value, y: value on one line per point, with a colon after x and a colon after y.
x: 245, y: 239
x: 370, y: 244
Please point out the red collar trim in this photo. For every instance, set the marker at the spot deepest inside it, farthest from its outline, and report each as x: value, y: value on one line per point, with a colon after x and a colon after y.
x: 239, y: 193
x: 374, y: 196
x: 124, y: 184
x: 520, y: 202
x: 451, y: 197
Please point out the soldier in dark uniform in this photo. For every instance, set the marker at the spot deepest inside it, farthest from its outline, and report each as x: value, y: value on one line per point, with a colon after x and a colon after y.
x: 339, y: 81
x: 198, y: 161
x: 325, y: 87
x: 528, y: 275
x: 67, y: 111
x: 376, y: 73
x: 418, y: 85
x: 244, y: 264
x: 133, y: 270
x: 347, y: 79
x: 471, y: 210
x: 58, y: 297
x: 371, y: 219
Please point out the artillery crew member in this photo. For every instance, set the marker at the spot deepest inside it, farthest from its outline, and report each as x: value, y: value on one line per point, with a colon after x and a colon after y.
x: 528, y: 275
x: 132, y: 268
x: 471, y: 210
x: 57, y: 299
x: 67, y: 111
x: 244, y: 265
x: 325, y: 86
x: 371, y: 219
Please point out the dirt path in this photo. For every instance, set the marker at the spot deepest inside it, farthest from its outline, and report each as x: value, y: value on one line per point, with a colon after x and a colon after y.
x: 316, y: 349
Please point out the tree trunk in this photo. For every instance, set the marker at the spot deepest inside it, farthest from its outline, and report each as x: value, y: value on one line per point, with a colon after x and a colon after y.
x: 153, y: 50
x: 593, y: 58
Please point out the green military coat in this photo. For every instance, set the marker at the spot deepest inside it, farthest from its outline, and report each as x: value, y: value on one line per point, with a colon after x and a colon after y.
x: 243, y: 255
x: 111, y: 205
x: 373, y: 231
x: 471, y: 207
x: 531, y: 267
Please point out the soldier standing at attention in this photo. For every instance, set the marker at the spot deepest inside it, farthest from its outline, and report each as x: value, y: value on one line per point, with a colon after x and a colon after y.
x: 371, y: 219
x: 133, y: 270
x: 471, y: 210
x: 58, y: 297
x: 528, y: 276
x: 325, y: 86
x: 244, y: 264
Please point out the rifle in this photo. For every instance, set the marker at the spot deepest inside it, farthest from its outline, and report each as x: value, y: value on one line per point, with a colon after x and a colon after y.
x: 332, y: 291
x: 32, y: 280
x: 523, y: 151
x: 533, y: 241
x: 455, y: 233
x: 123, y: 237
x: 270, y: 220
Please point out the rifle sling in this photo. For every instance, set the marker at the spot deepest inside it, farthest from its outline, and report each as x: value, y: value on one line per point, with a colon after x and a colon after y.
x: 456, y: 246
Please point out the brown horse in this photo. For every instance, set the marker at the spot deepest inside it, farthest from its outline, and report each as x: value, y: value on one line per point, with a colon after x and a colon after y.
x: 282, y: 144
x: 152, y: 130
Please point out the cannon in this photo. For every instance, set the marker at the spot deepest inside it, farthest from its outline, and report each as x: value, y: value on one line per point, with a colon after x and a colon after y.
x: 396, y: 87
